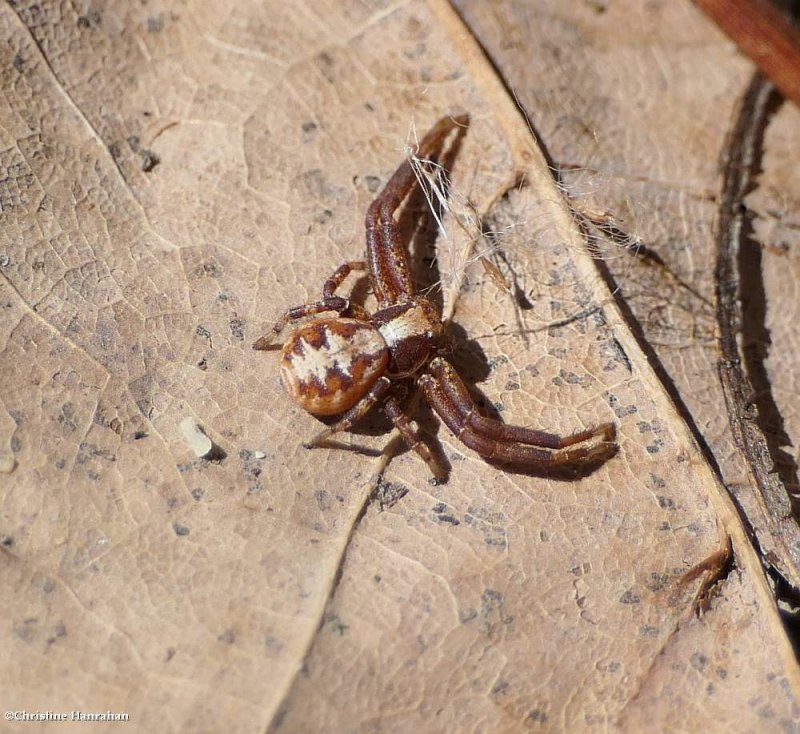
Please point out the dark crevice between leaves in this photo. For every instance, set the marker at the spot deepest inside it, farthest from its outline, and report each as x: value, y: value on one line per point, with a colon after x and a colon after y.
x: 654, y: 360
x: 756, y: 344
x: 646, y: 254
x: 633, y: 323
x: 743, y: 159
x: 754, y: 417
x: 788, y: 608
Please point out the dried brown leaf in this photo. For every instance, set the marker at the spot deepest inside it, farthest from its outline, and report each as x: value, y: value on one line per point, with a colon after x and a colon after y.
x: 177, y: 176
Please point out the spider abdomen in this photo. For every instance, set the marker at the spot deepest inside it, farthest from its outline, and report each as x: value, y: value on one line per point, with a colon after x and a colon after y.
x: 328, y: 365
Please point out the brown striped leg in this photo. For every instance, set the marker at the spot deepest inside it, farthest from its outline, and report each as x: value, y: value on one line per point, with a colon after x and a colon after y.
x: 355, y: 414
x: 331, y: 284
x: 386, y: 253
x: 458, y: 394
x: 339, y: 275
x: 331, y: 303
x: 494, y: 439
x: 410, y: 435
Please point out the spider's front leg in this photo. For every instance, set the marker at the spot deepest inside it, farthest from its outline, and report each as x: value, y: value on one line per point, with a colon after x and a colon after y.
x: 387, y: 256
x: 329, y: 303
x: 494, y: 439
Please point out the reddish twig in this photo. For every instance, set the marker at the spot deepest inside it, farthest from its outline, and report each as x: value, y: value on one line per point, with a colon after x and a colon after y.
x: 766, y: 35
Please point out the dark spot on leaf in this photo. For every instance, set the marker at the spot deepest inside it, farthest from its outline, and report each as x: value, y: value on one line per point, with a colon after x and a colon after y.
x: 501, y: 688
x: 323, y: 500
x: 180, y: 529
x: 657, y: 581
x: 335, y: 624
x: 237, y: 331
x: 325, y: 66
x: 228, y: 637
x: 537, y: 715
x: 493, y: 612
x: 252, y: 470
x: 490, y: 524
x: 67, y: 417
x: 208, y: 269
x: 149, y: 160
x: 26, y: 630
x: 448, y: 519
x: 629, y: 597
x: 59, y: 632
x: 390, y: 493
x: 324, y: 216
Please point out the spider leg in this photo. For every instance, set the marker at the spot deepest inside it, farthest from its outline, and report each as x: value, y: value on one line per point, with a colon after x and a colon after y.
x: 494, y: 439
x: 386, y: 253
x: 339, y: 275
x: 354, y: 310
x: 355, y: 414
x: 330, y: 303
x: 411, y: 436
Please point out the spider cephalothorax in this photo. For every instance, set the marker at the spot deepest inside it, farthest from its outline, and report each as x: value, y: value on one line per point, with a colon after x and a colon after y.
x: 354, y: 361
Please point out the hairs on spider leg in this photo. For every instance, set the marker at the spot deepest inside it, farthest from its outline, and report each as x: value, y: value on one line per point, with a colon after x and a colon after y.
x: 446, y: 204
x: 443, y: 199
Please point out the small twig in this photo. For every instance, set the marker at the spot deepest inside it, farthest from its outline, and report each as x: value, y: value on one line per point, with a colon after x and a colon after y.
x: 766, y: 35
